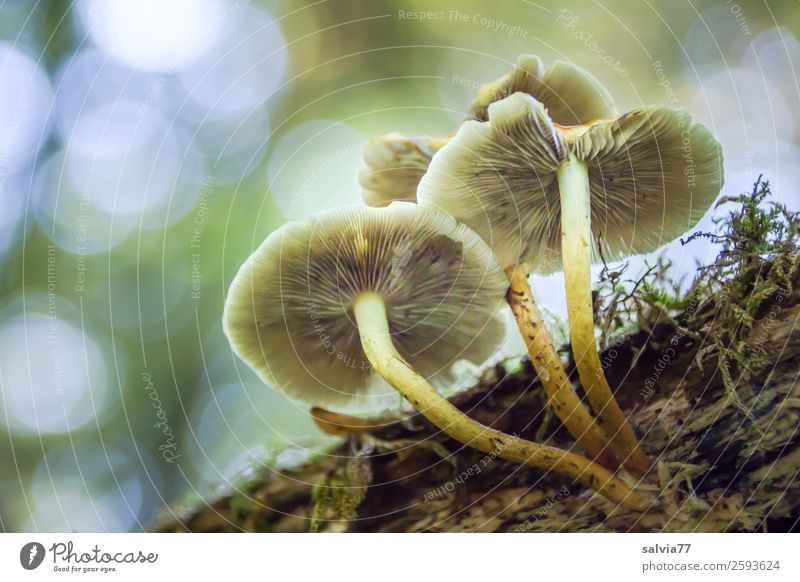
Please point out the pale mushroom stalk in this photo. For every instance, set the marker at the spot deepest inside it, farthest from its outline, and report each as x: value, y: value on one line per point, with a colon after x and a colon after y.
x: 370, y: 313
x: 576, y: 242
x: 547, y: 363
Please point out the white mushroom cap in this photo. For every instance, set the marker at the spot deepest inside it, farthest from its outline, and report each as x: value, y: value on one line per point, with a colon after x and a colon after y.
x: 652, y: 174
x: 289, y: 310
x: 572, y: 95
x: 395, y: 164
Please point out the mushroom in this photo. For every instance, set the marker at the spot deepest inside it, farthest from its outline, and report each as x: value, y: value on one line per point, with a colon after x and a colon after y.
x: 637, y: 181
x: 325, y: 306
x: 571, y: 94
x: 395, y: 163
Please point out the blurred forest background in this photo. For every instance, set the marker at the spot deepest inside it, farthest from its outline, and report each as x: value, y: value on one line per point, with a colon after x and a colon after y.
x: 146, y: 148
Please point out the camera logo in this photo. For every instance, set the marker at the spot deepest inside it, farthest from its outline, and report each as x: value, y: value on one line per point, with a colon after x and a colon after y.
x: 31, y: 555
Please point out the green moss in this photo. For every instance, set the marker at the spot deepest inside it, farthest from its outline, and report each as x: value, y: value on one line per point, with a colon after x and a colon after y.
x: 757, y: 266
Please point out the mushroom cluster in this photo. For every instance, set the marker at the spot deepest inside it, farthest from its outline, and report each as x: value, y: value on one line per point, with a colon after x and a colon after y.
x: 359, y: 302
x: 325, y: 311
x: 395, y: 165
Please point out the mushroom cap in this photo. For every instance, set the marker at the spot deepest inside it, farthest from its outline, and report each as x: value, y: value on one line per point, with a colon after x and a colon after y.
x: 652, y: 175
x: 395, y: 164
x: 572, y: 95
x: 289, y: 316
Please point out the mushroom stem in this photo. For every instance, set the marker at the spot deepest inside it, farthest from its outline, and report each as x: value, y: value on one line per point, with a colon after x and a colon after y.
x: 576, y: 237
x: 547, y: 363
x: 373, y: 326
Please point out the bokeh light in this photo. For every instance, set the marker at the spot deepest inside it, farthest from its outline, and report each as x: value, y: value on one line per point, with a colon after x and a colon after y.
x: 86, y: 486
x: 67, y: 211
x: 314, y: 168
x: 241, y: 426
x: 89, y: 78
x: 153, y: 35
x: 53, y: 375
x: 243, y: 68
x: 13, y: 202
x: 24, y: 105
x: 132, y: 162
x: 146, y: 148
